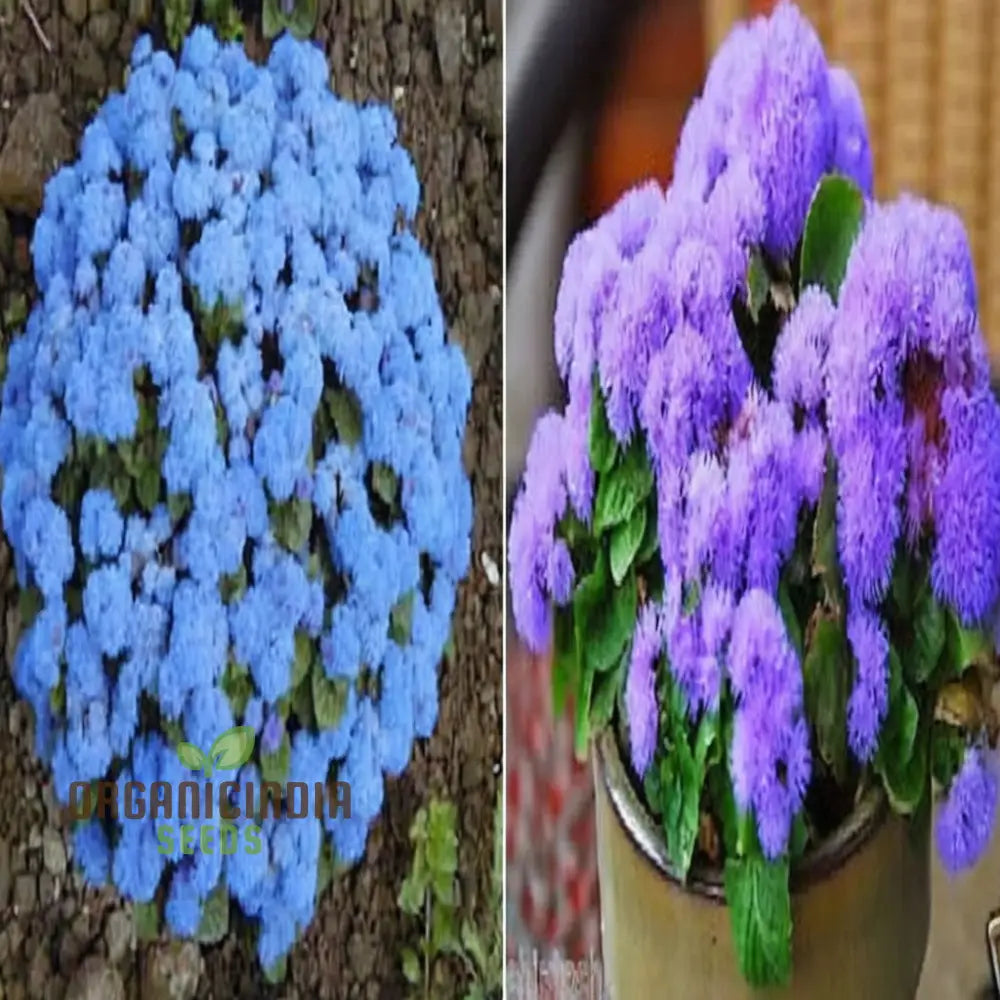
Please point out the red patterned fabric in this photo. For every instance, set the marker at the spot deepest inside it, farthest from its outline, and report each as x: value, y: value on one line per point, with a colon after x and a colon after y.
x: 552, y: 892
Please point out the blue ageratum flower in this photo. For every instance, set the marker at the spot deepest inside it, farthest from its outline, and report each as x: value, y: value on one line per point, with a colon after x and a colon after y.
x: 231, y: 442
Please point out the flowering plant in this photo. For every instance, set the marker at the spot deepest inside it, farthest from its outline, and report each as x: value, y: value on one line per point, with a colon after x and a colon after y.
x: 769, y: 516
x: 232, y: 477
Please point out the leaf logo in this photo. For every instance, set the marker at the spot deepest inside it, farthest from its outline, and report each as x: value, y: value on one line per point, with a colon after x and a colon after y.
x: 229, y: 751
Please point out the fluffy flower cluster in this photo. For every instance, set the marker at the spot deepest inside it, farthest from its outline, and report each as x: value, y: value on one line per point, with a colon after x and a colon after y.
x: 231, y: 441
x: 891, y: 384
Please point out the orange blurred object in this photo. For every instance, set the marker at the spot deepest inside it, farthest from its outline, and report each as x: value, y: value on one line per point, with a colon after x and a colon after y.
x: 661, y: 70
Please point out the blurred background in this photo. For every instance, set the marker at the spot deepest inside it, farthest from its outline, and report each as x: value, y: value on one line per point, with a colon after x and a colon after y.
x: 597, y: 91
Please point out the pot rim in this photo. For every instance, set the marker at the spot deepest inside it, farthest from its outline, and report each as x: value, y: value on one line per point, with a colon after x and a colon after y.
x: 817, y: 865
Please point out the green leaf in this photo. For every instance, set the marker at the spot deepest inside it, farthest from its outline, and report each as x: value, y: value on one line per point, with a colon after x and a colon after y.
x: 342, y: 404
x: 565, y: 665
x: 902, y: 757
x: 401, y: 620
x: 623, y: 489
x: 330, y: 697
x: 604, y: 616
x: 303, y: 19
x: 831, y: 227
x: 177, y: 20
x: 303, y: 658
x: 964, y: 647
x: 606, y: 689
x: 799, y: 839
x: 826, y: 681
x: 947, y: 752
x: 147, y: 487
x: 146, y: 920
x: 825, y: 558
x: 292, y: 522
x: 274, y: 766
x: 442, y: 850
x: 761, y: 913
x: 234, y: 586
x: 324, y: 868
x: 411, y: 967
x: 758, y: 285
x: 651, y: 538
x: 237, y: 686
x: 929, y: 635
x: 625, y: 541
x: 178, y: 504
x: 277, y: 972
x: 792, y: 627
x: 384, y: 483
x: 214, y: 924
x: 602, y: 444
x: 191, y: 757
x: 29, y: 605
x: 121, y: 487
x: 411, y: 896
x: 444, y: 933
x: 233, y: 748
x: 272, y: 20
x: 682, y: 777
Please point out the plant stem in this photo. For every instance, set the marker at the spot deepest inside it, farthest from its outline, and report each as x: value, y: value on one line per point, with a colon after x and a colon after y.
x: 427, y: 946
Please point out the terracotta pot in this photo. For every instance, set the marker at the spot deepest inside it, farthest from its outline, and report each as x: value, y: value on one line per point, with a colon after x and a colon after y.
x: 860, y: 906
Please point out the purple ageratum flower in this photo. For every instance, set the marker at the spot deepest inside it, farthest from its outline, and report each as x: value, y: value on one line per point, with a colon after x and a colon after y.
x: 767, y: 97
x: 274, y: 730
x: 869, y: 701
x: 965, y: 571
x: 965, y: 822
x: 771, y: 765
x: 763, y: 666
x: 539, y: 505
x: 800, y: 352
x: 871, y: 474
x: 640, y: 689
x: 764, y: 491
x: 852, y: 153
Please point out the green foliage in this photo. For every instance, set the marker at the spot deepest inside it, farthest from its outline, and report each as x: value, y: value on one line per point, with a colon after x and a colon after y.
x: 761, y: 914
x: 603, y: 620
x: 430, y: 892
x: 300, y: 22
x: 902, y: 756
x: 344, y: 411
x: 682, y: 769
x: 602, y: 445
x: 292, y: 522
x: 625, y: 486
x: 626, y: 539
x: 825, y: 559
x: 146, y: 920
x: 831, y: 227
x: 826, y: 677
x: 329, y: 698
x: 214, y: 923
x: 224, y: 16
x: 177, y: 18
x: 758, y: 285
x: 274, y: 766
x: 401, y: 620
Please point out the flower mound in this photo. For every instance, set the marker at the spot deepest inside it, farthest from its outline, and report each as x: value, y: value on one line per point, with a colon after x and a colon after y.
x: 231, y: 442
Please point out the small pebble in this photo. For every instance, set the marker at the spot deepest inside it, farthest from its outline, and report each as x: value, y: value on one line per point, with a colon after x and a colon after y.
x: 490, y: 568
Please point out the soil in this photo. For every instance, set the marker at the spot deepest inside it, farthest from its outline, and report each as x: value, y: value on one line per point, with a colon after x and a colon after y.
x: 439, y: 64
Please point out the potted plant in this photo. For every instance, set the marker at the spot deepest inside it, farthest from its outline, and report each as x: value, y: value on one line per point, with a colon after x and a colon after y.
x: 761, y: 542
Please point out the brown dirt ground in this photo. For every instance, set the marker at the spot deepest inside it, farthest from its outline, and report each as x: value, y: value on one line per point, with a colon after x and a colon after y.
x: 439, y: 64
